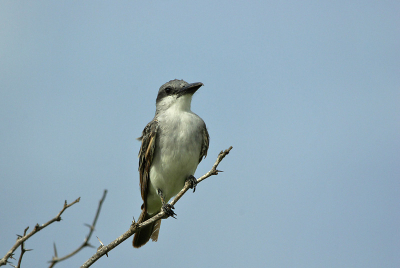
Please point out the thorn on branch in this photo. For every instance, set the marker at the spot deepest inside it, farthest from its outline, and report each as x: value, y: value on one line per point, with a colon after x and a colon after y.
x: 55, y: 250
x: 91, y: 227
x: 101, y: 246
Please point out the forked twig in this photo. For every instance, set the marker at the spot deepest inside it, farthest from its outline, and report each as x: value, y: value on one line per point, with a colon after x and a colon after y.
x: 37, y: 228
x: 85, y: 243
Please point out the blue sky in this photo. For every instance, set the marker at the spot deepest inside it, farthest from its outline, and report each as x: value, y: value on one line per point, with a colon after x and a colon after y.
x: 307, y: 93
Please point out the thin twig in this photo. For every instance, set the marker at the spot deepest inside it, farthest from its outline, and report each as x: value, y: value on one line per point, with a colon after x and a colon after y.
x: 37, y: 228
x: 135, y: 227
x: 23, y: 250
x: 85, y: 243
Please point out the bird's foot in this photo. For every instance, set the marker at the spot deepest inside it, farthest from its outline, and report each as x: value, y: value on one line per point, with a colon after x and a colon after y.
x: 168, y: 210
x: 192, y: 181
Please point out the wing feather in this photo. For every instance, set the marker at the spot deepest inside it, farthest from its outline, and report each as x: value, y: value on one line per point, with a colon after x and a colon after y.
x: 146, y: 154
x: 205, y: 144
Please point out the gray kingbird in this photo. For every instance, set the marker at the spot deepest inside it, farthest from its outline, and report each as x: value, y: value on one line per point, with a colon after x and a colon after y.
x: 173, y: 144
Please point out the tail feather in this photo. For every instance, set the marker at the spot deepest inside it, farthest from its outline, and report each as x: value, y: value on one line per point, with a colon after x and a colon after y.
x: 150, y: 231
x: 156, y: 230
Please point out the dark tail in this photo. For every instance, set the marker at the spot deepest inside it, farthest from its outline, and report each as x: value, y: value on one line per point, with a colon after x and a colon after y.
x: 150, y: 231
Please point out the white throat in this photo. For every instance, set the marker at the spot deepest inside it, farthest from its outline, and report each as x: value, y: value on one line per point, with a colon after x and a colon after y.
x: 181, y: 104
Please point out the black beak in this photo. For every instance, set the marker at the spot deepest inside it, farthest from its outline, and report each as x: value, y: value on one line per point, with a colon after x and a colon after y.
x: 190, y: 89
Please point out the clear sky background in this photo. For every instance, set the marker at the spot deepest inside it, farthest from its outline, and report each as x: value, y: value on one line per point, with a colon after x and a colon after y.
x: 306, y: 92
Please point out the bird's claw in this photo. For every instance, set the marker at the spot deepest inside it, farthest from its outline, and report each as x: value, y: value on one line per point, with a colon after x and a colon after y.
x: 192, y: 181
x: 168, y: 210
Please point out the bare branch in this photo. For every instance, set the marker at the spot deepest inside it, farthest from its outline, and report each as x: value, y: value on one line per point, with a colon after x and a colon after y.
x: 85, y: 243
x: 37, y: 228
x: 102, y: 250
x: 23, y: 250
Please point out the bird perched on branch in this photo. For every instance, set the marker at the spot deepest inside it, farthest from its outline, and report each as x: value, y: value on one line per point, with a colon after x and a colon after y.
x: 173, y: 144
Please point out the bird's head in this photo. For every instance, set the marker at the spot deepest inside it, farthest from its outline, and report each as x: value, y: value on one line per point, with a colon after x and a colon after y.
x: 176, y: 93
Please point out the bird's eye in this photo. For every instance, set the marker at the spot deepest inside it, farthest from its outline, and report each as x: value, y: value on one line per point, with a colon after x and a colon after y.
x: 168, y: 90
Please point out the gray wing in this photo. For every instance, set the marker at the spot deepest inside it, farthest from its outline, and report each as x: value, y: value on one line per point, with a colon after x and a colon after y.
x: 204, y: 145
x: 146, y: 154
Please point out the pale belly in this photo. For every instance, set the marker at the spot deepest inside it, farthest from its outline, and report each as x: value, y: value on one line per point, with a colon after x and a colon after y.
x: 175, y: 160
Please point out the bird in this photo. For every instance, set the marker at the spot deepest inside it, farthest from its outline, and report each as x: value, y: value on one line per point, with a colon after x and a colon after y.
x: 172, y: 146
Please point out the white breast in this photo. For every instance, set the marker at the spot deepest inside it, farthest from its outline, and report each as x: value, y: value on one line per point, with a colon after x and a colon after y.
x: 177, y: 153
